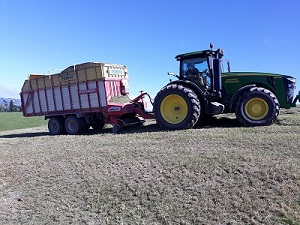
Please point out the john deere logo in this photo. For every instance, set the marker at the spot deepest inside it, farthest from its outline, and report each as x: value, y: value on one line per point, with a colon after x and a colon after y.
x: 232, y: 81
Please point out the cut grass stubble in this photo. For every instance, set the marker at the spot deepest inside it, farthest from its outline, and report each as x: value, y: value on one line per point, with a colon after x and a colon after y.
x: 208, y: 175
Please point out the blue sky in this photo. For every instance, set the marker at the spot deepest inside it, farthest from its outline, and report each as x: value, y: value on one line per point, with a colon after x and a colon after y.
x: 36, y: 35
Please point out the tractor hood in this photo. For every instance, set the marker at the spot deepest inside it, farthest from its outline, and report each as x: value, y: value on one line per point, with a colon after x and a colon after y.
x: 255, y: 74
x: 283, y: 86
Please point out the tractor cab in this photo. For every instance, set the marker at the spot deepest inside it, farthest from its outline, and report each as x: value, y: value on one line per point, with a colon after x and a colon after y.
x: 203, y: 68
x: 196, y: 70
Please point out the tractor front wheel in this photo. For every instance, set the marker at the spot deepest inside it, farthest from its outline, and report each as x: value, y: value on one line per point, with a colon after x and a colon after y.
x: 257, y: 107
x: 176, y: 107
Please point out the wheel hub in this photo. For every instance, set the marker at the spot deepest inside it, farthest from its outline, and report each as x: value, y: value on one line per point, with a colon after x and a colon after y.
x: 174, y: 109
x: 256, y: 108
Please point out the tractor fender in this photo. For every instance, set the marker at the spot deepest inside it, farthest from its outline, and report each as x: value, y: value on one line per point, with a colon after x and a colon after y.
x: 238, y: 94
x: 202, y: 96
x: 190, y: 85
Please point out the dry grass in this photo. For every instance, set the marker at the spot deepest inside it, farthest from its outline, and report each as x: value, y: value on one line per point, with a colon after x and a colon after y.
x: 217, y: 174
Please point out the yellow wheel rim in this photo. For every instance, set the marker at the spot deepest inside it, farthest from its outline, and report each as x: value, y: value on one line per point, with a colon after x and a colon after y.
x: 174, y: 109
x: 256, y: 108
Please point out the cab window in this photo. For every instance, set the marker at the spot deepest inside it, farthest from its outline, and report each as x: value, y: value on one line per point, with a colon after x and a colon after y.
x: 198, y: 63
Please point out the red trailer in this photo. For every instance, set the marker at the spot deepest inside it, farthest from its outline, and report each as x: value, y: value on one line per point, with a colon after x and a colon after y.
x: 83, y: 96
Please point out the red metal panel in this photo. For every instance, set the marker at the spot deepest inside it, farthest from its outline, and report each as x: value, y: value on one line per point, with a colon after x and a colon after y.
x: 113, y: 88
x: 50, y: 101
x: 79, y: 98
x: 88, y: 95
x: 38, y: 97
x: 71, y: 100
x: 46, y: 99
x: 66, y: 97
x: 98, y: 95
x: 54, y: 100
x: 102, y: 92
x: 22, y: 103
x: 61, y: 97
x: 26, y: 102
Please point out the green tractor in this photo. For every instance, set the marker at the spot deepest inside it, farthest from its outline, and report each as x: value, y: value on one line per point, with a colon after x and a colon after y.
x: 205, y: 87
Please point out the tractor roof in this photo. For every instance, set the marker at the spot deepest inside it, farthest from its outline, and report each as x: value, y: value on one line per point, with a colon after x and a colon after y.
x: 199, y: 54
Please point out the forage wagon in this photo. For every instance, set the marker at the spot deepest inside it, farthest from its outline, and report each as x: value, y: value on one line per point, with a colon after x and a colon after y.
x: 82, y: 96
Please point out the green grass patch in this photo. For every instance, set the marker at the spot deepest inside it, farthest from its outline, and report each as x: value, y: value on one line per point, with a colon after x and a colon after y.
x: 15, y: 120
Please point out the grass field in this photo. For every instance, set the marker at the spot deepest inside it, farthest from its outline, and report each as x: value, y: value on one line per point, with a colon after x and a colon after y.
x: 217, y: 174
x: 15, y: 120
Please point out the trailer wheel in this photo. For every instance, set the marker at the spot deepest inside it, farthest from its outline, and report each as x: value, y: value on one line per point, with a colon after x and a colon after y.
x: 176, y: 107
x: 117, y: 127
x: 257, y: 107
x: 74, y: 125
x: 56, y: 125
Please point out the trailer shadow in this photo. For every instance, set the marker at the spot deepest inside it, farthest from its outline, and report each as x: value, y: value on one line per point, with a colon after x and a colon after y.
x: 25, y: 135
x: 46, y: 133
x: 151, y: 127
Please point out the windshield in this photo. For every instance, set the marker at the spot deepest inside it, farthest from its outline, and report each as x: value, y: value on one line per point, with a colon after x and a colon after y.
x: 196, y: 70
x: 192, y: 64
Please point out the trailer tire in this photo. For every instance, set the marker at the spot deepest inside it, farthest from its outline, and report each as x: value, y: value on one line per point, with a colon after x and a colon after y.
x: 176, y: 107
x: 257, y: 107
x: 117, y: 128
x: 56, y: 125
x: 74, y: 125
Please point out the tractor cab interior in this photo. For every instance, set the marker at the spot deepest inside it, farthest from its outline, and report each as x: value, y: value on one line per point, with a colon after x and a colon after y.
x: 196, y: 70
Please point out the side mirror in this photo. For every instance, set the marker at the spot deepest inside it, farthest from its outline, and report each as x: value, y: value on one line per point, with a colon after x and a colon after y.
x: 172, y: 74
x: 228, y: 66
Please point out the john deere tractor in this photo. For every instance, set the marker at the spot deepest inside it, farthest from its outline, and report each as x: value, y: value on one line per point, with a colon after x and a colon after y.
x: 205, y: 87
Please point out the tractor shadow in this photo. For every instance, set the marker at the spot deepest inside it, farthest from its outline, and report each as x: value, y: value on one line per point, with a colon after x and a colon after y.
x: 152, y: 128
x: 207, y: 123
x: 220, y: 121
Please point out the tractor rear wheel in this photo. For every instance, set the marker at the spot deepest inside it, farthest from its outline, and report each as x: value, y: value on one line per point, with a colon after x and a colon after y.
x: 56, y: 125
x: 257, y: 107
x: 176, y: 107
x: 74, y: 125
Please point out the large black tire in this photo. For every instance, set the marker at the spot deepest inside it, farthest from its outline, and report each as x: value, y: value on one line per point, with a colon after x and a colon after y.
x: 257, y: 107
x: 176, y: 107
x: 74, y: 125
x: 56, y: 125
